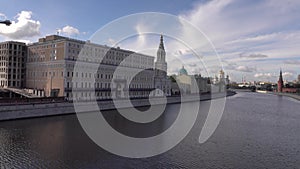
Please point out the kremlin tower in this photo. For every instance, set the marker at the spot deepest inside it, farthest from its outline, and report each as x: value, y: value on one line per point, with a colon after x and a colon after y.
x: 280, y: 82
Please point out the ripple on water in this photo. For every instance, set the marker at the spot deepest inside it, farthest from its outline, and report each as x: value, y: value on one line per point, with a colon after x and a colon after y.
x: 256, y: 131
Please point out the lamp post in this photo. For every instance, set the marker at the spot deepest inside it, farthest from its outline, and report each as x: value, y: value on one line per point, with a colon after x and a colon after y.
x: 6, y: 22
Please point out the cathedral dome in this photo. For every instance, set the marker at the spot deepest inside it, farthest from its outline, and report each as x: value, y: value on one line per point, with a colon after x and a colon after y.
x: 183, y: 71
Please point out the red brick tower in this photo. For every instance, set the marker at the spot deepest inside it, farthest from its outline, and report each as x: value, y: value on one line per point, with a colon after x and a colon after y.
x: 280, y: 82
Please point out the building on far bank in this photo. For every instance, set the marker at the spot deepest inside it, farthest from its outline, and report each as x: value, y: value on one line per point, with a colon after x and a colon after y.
x: 204, y: 83
x: 285, y: 88
x: 220, y: 83
x: 161, y: 80
x: 184, y: 81
x: 50, y: 70
x: 12, y: 64
x: 280, y: 82
x: 190, y: 84
x: 104, y: 72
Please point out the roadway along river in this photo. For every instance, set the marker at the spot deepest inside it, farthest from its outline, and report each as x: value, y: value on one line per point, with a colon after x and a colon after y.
x: 256, y: 131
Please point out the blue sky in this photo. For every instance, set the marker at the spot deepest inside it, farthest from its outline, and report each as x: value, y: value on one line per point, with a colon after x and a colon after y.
x: 254, y: 38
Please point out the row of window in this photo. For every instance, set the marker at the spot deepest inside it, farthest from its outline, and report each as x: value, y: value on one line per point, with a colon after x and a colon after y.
x: 11, y: 58
x: 9, y: 71
x: 10, y: 52
x: 16, y: 65
x: 9, y: 83
x: 39, y: 74
x: 14, y: 76
x: 104, y: 94
x: 12, y: 46
x: 41, y: 47
x: 99, y: 85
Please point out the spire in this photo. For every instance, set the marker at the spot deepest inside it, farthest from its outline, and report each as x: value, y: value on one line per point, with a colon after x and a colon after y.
x: 280, y: 75
x: 161, y: 63
x: 161, y: 45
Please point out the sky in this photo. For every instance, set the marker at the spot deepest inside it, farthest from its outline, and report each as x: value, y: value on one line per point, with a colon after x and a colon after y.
x: 254, y: 39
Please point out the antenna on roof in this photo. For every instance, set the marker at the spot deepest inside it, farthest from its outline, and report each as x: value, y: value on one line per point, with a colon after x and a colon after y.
x: 57, y: 31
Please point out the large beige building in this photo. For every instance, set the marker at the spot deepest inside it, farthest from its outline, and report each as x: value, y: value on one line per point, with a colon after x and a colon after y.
x: 51, y: 62
x: 12, y: 64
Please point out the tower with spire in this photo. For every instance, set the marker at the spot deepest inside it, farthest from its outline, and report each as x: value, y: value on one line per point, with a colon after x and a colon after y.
x: 161, y: 64
x: 161, y: 80
x: 280, y: 82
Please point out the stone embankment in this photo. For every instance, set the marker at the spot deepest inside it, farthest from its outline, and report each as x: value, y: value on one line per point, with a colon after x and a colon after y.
x: 10, y: 112
x: 291, y: 95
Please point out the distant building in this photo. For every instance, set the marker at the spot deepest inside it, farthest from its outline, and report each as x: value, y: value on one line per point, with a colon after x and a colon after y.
x: 204, y: 83
x: 161, y: 80
x: 184, y: 81
x: 220, y: 82
x: 298, y: 80
x: 287, y: 88
x: 280, y: 82
x: 12, y: 64
x: 50, y: 70
x: 191, y: 84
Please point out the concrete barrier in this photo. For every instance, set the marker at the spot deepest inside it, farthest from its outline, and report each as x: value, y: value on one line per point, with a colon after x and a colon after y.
x: 9, y: 112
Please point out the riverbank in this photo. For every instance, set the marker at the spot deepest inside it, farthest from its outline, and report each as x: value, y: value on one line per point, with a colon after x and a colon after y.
x: 12, y: 112
x: 291, y: 95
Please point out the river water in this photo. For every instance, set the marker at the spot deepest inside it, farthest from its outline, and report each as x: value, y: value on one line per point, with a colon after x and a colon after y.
x: 256, y: 131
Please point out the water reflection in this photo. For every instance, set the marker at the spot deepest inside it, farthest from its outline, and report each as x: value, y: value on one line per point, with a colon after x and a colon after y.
x: 256, y: 131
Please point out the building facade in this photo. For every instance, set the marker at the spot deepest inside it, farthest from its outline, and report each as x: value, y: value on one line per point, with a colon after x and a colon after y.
x: 51, y: 62
x: 12, y: 64
x: 184, y: 81
x: 192, y: 84
x: 286, y: 87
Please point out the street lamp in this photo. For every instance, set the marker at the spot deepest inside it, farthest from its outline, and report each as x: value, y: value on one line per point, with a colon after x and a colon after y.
x: 6, y: 22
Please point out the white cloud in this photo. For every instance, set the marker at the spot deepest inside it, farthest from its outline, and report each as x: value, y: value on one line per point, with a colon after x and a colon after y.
x: 197, y: 70
x: 292, y: 62
x: 239, y: 68
x: 2, y: 16
x: 111, y: 42
x: 138, y: 42
x: 287, y: 74
x: 69, y: 30
x: 141, y: 28
x: 223, y: 22
x: 245, y: 69
x: 192, y: 64
x: 240, y: 30
x: 274, y: 76
x: 249, y: 27
x: 24, y: 27
x: 264, y: 75
x: 242, y: 55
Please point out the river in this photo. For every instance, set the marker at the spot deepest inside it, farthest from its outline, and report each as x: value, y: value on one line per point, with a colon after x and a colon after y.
x: 256, y: 131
